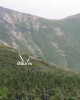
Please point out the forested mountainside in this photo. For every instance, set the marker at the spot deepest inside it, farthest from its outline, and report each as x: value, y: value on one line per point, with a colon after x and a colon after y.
x: 57, y: 41
x: 40, y: 81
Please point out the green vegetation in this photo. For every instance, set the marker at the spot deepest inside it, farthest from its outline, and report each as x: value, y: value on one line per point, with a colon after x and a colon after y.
x: 41, y: 81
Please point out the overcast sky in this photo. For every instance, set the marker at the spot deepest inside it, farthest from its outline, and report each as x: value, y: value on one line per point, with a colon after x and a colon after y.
x: 51, y: 9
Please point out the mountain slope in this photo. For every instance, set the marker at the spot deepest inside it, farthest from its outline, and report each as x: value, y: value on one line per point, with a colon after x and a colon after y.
x: 39, y: 81
x: 56, y: 41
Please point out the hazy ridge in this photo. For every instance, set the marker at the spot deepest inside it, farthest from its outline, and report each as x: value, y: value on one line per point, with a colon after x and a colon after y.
x: 57, y: 41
